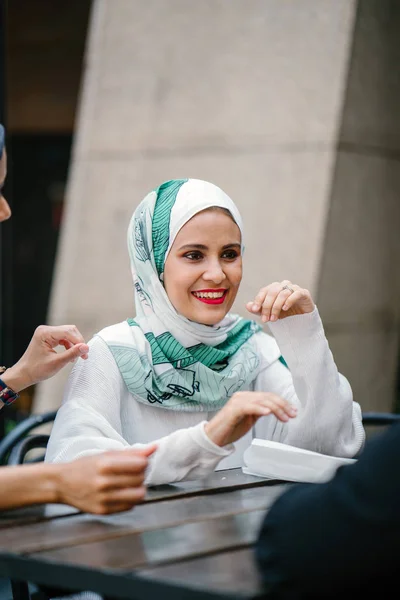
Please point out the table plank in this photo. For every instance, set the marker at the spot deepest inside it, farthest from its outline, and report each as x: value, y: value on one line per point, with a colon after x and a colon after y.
x: 124, y: 585
x: 233, y: 573
x: 160, y: 546
x: 85, y: 528
x: 34, y: 514
x: 215, y: 482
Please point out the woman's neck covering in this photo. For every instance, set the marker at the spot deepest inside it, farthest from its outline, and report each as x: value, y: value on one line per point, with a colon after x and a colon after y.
x: 165, y: 359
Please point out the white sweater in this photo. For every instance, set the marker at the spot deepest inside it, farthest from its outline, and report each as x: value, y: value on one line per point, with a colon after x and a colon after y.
x: 98, y: 412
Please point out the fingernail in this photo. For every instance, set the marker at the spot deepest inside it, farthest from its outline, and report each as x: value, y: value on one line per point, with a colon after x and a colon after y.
x: 264, y: 319
x: 273, y: 318
x: 284, y: 307
x: 83, y: 350
x: 254, y: 308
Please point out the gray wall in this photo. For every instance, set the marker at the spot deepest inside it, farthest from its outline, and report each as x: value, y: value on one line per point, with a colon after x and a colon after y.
x: 359, y: 282
x: 253, y: 95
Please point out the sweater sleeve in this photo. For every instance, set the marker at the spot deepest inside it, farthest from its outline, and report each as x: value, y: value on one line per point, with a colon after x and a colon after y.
x: 185, y: 454
x: 328, y: 420
x: 89, y: 421
x: 337, y: 538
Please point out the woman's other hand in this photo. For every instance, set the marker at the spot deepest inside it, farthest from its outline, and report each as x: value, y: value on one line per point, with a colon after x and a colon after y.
x: 279, y: 300
x: 242, y: 411
x: 41, y: 361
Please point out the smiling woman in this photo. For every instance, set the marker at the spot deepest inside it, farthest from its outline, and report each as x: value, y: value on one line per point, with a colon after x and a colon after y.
x: 190, y: 374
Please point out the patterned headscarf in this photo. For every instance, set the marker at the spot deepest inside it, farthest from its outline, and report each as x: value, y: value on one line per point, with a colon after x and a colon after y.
x: 165, y: 359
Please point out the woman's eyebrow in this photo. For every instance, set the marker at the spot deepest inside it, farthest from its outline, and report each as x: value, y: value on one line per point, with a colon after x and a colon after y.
x: 232, y: 245
x: 197, y: 246
x: 203, y: 247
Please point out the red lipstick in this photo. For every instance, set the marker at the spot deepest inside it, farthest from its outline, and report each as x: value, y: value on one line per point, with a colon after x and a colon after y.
x: 220, y: 300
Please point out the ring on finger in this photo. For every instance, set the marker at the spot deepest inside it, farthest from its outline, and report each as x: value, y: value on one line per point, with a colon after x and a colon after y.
x: 287, y: 287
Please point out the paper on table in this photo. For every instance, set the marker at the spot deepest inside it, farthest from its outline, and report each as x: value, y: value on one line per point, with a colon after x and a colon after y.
x: 287, y: 463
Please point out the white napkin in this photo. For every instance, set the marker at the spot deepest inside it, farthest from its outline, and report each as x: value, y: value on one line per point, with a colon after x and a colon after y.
x: 288, y: 463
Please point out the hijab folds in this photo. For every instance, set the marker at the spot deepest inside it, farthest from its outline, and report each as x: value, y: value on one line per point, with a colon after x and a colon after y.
x: 166, y: 360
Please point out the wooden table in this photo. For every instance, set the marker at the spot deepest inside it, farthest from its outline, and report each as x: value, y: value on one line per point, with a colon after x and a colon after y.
x: 188, y: 540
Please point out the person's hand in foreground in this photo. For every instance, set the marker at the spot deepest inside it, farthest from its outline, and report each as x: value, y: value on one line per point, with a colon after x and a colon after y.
x: 242, y: 411
x: 101, y: 484
x: 105, y: 483
x: 41, y: 361
x: 280, y: 300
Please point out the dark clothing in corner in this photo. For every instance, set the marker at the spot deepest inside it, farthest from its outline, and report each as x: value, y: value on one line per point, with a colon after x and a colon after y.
x: 341, y: 538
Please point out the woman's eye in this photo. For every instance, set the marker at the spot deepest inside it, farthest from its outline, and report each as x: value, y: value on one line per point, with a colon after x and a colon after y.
x: 230, y: 254
x: 193, y: 255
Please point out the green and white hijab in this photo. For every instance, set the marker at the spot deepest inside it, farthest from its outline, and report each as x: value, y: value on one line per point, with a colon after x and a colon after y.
x: 166, y: 360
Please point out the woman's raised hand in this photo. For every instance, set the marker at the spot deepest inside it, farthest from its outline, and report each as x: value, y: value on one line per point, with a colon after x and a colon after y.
x: 279, y: 300
x: 242, y: 411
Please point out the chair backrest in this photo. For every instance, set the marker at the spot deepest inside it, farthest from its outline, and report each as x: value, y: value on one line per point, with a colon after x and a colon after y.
x: 18, y: 453
x: 375, y: 423
x: 20, y: 432
x: 380, y: 418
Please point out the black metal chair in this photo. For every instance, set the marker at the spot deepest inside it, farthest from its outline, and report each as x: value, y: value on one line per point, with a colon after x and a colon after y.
x: 380, y: 418
x: 376, y: 422
x: 18, y: 442
x: 13, y: 451
x: 19, y: 452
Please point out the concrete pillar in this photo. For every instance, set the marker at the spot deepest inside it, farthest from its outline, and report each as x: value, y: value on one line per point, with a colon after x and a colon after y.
x: 359, y: 280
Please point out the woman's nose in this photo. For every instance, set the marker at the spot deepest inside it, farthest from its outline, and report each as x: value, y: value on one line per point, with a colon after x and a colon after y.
x: 214, y: 273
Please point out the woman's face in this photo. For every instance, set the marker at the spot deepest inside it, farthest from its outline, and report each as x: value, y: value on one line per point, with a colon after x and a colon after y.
x: 203, y: 269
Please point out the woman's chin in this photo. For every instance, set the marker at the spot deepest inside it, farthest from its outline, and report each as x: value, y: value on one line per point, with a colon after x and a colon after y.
x: 209, y: 317
x: 205, y: 314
